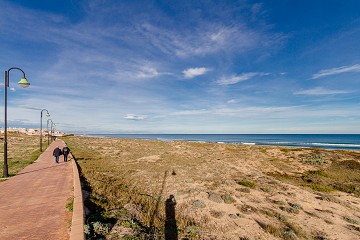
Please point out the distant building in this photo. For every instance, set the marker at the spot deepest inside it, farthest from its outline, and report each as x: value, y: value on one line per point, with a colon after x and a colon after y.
x: 30, y: 131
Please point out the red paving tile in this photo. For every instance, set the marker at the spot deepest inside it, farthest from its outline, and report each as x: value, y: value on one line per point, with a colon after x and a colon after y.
x: 32, y: 203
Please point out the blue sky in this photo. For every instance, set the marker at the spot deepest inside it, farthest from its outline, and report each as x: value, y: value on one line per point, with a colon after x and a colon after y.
x: 102, y: 66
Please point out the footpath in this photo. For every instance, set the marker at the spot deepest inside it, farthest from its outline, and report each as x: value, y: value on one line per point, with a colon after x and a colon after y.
x: 33, y: 203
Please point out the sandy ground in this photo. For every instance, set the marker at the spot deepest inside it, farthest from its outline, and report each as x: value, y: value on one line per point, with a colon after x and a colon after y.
x: 234, y: 191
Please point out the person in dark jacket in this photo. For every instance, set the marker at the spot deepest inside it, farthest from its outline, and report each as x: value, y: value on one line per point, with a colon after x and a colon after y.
x: 57, y: 152
x: 66, y: 152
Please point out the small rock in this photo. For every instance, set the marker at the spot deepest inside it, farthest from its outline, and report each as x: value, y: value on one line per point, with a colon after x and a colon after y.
x: 198, y: 204
x: 233, y: 216
x: 215, y: 197
x: 133, y: 210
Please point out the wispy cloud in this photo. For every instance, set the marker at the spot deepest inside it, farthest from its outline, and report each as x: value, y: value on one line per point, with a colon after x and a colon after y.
x: 194, y: 72
x: 207, y: 38
x: 339, y: 70
x: 239, y: 78
x: 148, y: 72
x: 270, y: 112
x: 191, y: 112
x: 135, y: 117
x: 320, y: 91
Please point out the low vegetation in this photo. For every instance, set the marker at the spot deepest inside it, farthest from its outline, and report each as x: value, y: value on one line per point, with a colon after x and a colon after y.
x: 22, y: 150
x: 146, y: 189
x: 336, y: 170
x: 246, y: 183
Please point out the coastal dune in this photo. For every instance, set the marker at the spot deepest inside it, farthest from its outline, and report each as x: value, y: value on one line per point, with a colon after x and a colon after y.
x: 219, y: 191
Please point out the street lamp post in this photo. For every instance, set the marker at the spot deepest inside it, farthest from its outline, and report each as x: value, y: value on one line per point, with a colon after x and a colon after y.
x: 41, y: 114
x: 52, y: 129
x: 48, y: 129
x: 23, y: 83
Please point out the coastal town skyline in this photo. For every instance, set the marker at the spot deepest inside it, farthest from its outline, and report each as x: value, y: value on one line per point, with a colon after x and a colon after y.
x: 184, y: 67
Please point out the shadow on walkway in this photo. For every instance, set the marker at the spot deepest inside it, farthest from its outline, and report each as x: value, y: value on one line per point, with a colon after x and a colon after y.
x: 40, y: 169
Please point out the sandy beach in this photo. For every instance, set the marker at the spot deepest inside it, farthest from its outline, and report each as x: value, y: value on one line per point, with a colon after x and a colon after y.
x: 219, y: 191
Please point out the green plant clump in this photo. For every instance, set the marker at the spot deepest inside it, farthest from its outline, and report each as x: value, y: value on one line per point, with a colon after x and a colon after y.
x: 319, y: 188
x: 246, y: 183
x: 70, y: 204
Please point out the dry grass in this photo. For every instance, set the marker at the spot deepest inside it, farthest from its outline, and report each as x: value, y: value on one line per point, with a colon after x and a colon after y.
x: 22, y: 151
x: 130, y: 181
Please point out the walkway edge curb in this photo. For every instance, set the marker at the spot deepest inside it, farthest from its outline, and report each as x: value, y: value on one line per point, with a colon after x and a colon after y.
x: 78, y: 217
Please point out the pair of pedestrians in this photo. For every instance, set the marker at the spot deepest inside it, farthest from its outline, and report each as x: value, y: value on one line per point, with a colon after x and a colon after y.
x: 58, y: 152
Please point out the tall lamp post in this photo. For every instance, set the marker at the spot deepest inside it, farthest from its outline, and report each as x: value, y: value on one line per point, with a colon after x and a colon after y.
x: 23, y: 83
x: 48, y: 129
x: 41, y: 114
x: 52, y: 129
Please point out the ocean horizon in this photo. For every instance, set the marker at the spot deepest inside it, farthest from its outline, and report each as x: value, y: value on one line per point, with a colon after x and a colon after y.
x: 323, y: 141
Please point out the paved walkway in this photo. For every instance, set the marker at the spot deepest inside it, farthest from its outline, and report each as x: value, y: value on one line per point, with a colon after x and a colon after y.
x: 32, y: 203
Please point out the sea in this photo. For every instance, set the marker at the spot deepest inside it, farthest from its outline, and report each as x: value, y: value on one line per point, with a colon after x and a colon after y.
x: 324, y: 141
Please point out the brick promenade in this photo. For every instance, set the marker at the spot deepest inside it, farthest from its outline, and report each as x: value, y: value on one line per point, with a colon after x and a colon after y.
x: 32, y: 203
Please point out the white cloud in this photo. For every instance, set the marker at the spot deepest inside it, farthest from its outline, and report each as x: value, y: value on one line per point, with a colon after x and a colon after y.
x: 333, y: 71
x: 148, y: 72
x: 135, y: 117
x: 232, y: 101
x: 320, y: 91
x: 239, y: 78
x: 194, y: 72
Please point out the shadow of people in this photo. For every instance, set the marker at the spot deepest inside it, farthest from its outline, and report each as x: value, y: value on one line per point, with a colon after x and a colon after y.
x: 171, y: 231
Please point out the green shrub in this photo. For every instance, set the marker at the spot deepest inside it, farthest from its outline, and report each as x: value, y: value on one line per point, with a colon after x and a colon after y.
x: 246, y: 183
x: 319, y: 188
x: 320, y: 173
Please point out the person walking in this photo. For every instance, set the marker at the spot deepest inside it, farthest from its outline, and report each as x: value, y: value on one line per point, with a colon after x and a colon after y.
x: 57, y: 152
x: 66, y: 152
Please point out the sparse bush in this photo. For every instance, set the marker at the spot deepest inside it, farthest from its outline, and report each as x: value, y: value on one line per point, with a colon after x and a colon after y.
x: 273, y: 230
x: 350, y: 220
x: 100, y: 228
x: 290, y: 210
x: 286, y: 150
x: 279, y: 202
x: 319, y: 188
x: 317, y: 173
x: 227, y: 199
x: 295, y: 205
x: 356, y: 228
x: 265, y: 189
x: 313, y: 159
x: 246, y: 183
x: 345, y: 187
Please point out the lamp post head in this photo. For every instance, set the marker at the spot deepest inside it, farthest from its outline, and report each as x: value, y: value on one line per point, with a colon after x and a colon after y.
x: 24, y: 82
